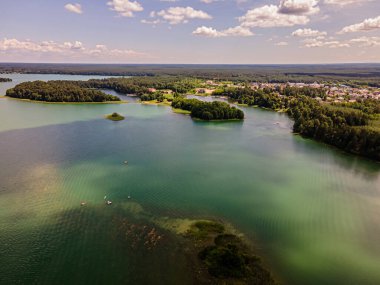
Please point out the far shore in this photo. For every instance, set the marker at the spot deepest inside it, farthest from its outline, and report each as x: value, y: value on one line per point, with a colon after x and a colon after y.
x: 65, y: 103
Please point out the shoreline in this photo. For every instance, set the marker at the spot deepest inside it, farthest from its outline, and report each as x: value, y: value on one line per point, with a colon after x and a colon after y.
x: 63, y: 103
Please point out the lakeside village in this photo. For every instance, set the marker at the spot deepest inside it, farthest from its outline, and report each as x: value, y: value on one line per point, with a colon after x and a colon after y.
x: 337, y: 93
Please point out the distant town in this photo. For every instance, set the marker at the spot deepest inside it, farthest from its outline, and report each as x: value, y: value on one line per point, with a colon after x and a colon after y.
x: 338, y: 93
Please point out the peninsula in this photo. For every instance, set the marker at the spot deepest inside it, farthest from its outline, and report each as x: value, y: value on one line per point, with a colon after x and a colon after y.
x: 58, y: 91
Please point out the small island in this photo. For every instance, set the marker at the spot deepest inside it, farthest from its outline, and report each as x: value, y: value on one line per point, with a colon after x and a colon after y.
x: 58, y: 92
x: 208, y: 111
x: 115, y: 117
x: 5, y: 79
x: 226, y: 256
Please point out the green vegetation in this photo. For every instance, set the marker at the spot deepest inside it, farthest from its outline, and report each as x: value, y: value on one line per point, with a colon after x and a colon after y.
x: 264, y: 98
x: 346, y: 128
x: 349, y: 74
x: 180, y: 111
x: 57, y: 91
x: 202, y: 229
x: 208, y: 111
x: 5, y: 79
x: 147, y: 88
x: 115, y: 117
x: 226, y: 256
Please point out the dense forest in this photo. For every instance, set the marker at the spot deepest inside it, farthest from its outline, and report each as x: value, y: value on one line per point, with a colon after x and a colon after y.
x: 208, y: 111
x: 349, y: 74
x: 5, y: 79
x: 346, y: 128
x: 58, y: 91
x: 264, y: 98
x: 142, y: 85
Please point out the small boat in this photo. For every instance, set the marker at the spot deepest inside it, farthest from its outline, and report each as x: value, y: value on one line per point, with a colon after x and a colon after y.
x: 83, y: 203
x: 129, y: 197
x: 125, y: 161
x: 109, y: 202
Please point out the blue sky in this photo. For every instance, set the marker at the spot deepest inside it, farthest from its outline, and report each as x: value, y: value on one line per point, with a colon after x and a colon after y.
x: 190, y: 31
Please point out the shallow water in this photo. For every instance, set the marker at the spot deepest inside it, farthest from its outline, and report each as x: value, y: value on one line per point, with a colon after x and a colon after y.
x: 311, y: 211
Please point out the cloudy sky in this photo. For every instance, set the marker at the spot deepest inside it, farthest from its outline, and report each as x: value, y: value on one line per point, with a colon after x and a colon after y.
x: 190, y: 31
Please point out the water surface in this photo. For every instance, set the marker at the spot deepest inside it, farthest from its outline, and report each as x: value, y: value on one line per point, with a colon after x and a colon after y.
x: 311, y: 211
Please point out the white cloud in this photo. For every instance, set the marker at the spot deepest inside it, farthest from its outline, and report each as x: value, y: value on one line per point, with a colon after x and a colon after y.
x: 74, y: 8
x: 308, y: 33
x: 270, y: 16
x: 367, y: 41
x: 346, y: 2
x: 180, y: 15
x: 65, y: 51
x: 237, y: 31
x: 209, y: 1
x: 317, y: 42
x: 334, y: 43
x: 366, y: 25
x: 282, y: 44
x: 207, y: 32
x: 298, y: 7
x: 125, y: 8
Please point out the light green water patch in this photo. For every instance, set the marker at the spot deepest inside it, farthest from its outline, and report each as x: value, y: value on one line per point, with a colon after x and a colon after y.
x: 18, y: 114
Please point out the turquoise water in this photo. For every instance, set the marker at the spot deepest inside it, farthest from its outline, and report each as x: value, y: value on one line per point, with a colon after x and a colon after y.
x: 311, y: 211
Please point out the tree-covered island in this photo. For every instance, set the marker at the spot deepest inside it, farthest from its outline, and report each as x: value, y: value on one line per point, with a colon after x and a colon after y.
x: 115, y: 117
x: 208, y: 111
x: 58, y: 91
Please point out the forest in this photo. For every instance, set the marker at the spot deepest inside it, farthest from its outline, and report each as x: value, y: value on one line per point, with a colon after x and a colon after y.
x: 142, y: 85
x: 346, y: 128
x: 5, y: 79
x: 58, y: 91
x: 208, y: 111
x: 349, y: 74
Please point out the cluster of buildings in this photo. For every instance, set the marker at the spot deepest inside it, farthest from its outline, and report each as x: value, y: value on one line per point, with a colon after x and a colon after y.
x: 342, y: 93
x: 334, y: 92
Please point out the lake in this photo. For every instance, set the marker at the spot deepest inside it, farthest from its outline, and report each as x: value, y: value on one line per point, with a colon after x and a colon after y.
x: 310, y: 211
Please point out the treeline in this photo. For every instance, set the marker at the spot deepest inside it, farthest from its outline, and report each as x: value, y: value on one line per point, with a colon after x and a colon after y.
x: 5, y: 79
x: 344, y: 128
x: 58, y: 91
x: 208, y: 111
x: 303, y: 91
x: 159, y: 96
x: 142, y: 85
x: 353, y: 74
x: 264, y: 98
x: 368, y: 106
